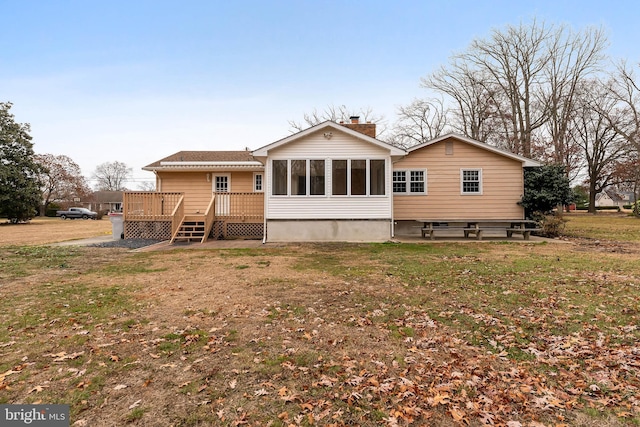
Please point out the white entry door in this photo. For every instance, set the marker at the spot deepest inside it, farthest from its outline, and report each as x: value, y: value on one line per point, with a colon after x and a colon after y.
x: 222, y: 184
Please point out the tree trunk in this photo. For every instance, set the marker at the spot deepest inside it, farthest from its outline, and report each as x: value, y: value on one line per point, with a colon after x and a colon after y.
x: 592, y: 197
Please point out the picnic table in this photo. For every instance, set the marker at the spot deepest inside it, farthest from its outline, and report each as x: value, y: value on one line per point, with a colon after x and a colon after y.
x: 476, y: 227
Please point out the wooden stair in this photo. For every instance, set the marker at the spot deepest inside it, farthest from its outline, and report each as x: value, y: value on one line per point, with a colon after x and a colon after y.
x: 192, y: 228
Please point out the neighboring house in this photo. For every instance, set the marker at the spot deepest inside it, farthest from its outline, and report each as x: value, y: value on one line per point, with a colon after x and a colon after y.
x: 455, y: 177
x: 332, y: 181
x: 612, y: 197
x: 106, y: 201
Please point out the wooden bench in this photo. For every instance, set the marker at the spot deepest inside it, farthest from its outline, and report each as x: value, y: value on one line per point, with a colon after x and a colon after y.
x: 430, y: 230
x: 474, y: 227
x: 526, y: 232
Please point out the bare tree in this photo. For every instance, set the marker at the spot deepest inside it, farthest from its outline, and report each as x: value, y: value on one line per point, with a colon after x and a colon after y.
x: 625, y: 119
x: 111, y: 176
x: 472, y: 95
x: 516, y: 89
x: 337, y: 114
x: 573, y: 58
x: 147, y: 186
x: 419, y: 122
x: 61, y: 180
x: 515, y: 58
x: 603, y: 146
x: 624, y: 89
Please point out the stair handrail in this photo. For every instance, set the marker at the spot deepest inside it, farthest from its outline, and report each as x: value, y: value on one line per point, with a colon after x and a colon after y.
x: 209, y: 217
x: 177, y: 217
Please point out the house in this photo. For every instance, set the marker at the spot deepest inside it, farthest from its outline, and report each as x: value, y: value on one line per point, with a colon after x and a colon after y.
x: 106, y: 201
x: 612, y: 197
x: 332, y: 181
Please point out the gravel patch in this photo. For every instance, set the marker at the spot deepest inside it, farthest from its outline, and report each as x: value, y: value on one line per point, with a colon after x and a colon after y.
x: 126, y: 243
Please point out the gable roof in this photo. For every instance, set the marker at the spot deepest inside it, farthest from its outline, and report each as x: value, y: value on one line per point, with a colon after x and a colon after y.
x: 526, y: 162
x: 102, y: 196
x: 205, y: 160
x: 328, y: 125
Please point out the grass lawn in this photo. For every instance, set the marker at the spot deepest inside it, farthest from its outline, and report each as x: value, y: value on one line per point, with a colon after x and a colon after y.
x: 483, y: 333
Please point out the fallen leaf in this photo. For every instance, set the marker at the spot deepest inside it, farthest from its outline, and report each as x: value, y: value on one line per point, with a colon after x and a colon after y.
x: 440, y: 399
x: 37, y: 389
x: 456, y: 414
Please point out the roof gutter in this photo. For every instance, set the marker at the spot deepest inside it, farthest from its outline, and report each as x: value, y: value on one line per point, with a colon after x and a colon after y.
x: 242, y: 163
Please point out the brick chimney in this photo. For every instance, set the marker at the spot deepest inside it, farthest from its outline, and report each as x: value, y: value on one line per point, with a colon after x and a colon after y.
x: 368, y: 128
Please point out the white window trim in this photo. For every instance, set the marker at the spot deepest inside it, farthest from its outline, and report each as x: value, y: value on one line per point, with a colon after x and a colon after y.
x: 213, y: 181
x: 466, y: 193
x: 271, y: 177
x: 407, y: 181
x: 255, y: 189
x: 308, y: 184
x: 307, y: 178
x: 367, y: 160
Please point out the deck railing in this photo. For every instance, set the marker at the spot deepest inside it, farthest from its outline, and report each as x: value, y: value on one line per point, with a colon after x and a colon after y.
x: 242, y: 206
x: 177, y: 215
x: 209, y: 217
x: 149, y: 206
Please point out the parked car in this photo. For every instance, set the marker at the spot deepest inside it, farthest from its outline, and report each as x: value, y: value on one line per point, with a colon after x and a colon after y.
x: 73, y: 213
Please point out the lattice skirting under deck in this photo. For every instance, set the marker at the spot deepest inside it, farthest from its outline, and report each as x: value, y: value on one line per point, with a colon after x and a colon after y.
x: 161, y: 230
x: 157, y: 230
x: 236, y: 230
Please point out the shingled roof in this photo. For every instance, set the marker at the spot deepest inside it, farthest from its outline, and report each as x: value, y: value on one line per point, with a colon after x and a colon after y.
x: 200, y: 158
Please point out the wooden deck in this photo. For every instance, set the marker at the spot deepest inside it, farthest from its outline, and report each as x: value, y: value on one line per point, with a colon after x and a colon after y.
x: 161, y: 215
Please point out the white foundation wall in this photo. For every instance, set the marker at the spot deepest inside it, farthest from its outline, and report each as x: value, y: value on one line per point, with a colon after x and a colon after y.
x: 329, y: 230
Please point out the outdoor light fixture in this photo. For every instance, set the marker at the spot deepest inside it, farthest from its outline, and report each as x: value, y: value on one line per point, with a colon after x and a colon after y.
x: 328, y: 135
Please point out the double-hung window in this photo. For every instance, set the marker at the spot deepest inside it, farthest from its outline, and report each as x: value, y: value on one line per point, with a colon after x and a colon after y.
x: 410, y: 181
x: 471, y: 181
x: 257, y: 183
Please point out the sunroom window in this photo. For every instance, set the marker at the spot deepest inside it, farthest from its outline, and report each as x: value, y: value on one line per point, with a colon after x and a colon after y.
x: 305, y: 177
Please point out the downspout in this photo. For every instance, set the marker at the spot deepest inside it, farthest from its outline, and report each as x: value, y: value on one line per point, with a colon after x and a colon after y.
x: 264, y: 231
x: 158, y: 181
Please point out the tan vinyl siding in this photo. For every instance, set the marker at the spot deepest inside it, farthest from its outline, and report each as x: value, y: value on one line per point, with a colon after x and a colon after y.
x: 198, y: 190
x: 502, y: 184
x: 242, y: 182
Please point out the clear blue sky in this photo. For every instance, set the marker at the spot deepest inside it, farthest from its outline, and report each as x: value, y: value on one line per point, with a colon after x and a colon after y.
x: 137, y: 80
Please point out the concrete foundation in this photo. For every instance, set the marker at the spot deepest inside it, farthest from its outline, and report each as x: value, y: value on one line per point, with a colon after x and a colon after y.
x: 328, y: 230
x: 407, y: 228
